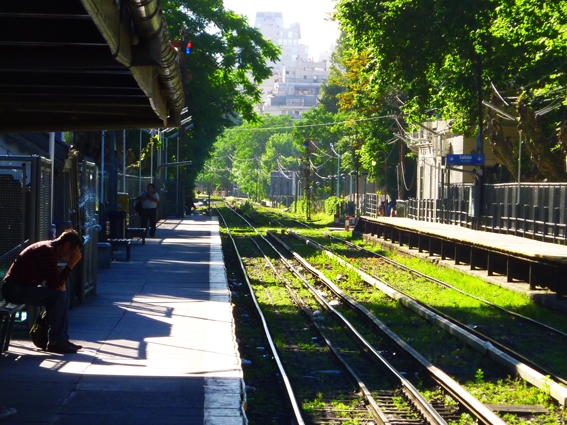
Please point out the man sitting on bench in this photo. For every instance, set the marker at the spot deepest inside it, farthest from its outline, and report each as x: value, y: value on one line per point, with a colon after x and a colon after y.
x: 36, y: 264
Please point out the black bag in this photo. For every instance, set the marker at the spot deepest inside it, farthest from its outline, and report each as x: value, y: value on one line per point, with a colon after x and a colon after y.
x: 38, y: 332
x: 139, y: 207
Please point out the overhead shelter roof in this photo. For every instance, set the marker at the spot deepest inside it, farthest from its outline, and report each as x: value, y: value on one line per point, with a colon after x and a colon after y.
x: 69, y: 65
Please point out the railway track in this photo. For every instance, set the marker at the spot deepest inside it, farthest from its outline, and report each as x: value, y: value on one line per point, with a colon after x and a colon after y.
x: 324, y: 319
x: 516, y: 325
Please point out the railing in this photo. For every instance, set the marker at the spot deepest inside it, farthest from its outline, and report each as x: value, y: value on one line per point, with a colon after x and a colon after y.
x: 541, y: 213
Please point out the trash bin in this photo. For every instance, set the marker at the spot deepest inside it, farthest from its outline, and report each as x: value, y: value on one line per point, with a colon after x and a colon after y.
x: 104, y: 249
x: 350, y: 208
x: 122, y: 204
x: 117, y: 221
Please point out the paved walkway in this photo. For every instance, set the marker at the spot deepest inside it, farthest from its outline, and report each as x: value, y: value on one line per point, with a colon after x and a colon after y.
x: 159, y: 343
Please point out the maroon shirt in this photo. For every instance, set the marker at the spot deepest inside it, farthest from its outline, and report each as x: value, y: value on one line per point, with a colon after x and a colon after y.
x: 36, y: 263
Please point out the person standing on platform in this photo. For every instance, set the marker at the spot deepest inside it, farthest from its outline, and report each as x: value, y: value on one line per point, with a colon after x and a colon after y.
x: 149, y: 199
x: 382, y: 209
x: 36, y: 264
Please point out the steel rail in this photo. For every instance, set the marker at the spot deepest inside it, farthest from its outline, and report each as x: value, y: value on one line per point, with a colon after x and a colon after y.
x: 419, y: 401
x: 479, y: 334
x: 375, y: 410
x: 445, y: 284
x: 557, y: 391
x: 289, y: 389
x: 455, y: 389
x: 425, y: 408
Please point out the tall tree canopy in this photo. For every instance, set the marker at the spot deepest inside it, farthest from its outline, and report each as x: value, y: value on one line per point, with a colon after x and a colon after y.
x: 446, y: 56
x: 246, y: 155
x: 223, y: 71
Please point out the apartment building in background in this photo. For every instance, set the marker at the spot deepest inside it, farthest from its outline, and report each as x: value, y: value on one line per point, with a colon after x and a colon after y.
x: 295, y: 84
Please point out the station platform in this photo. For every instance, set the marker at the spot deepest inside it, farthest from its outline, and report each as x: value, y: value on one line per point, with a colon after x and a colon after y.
x: 519, y: 263
x: 158, y: 337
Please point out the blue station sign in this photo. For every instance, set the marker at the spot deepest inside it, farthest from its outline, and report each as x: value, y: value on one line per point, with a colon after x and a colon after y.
x: 466, y: 159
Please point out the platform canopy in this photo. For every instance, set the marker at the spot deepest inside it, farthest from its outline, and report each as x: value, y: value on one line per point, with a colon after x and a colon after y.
x: 70, y: 65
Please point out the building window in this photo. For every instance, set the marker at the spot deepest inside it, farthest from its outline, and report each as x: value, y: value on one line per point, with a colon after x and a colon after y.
x: 305, y: 77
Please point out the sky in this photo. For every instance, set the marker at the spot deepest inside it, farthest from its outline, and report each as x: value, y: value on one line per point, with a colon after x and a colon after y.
x: 316, y: 32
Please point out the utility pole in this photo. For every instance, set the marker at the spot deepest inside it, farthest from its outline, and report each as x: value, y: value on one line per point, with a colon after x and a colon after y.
x: 339, y: 174
x: 401, y: 188
x: 306, y: 177
x: 479, y: 147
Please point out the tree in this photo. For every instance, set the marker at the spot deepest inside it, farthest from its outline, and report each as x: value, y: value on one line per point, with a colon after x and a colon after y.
x: 223, y: 70
x: 449, y: 56
x: 251, y: 148
x: 363, y: 122
x: 221, y: 74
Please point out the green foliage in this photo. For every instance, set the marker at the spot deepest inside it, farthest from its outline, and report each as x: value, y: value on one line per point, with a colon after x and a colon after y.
x: 331, y: 205
x: 479, y: 376
x: 299, y: 207
x: 226, y: 65
x: 247, y: 207
x: 247, y: 155
x: 440, y: 58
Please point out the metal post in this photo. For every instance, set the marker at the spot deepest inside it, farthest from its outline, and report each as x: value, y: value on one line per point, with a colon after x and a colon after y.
x: 52, y: 158
x: 124, y: 161
x: 339, y: 174
x: 140, y: 166
x: 102, y: 169
x: 180, y: 198
x: 152, y: 162
x: 519, y: 167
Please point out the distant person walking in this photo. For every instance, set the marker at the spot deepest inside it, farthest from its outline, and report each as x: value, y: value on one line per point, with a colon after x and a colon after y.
x: 149, y: 199
x: 36, y: 264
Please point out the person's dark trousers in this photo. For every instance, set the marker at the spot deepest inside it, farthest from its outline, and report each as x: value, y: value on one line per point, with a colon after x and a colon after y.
x: 149, y: 214
x: 56, y: 304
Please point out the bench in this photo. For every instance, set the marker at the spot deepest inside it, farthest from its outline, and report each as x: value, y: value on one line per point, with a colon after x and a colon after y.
x: 116, y: 243
x: 8, y: 310
x: 7, y: 317
x: 139, y: 232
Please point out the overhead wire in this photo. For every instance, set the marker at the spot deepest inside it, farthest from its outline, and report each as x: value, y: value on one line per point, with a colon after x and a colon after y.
x: 312, y: 125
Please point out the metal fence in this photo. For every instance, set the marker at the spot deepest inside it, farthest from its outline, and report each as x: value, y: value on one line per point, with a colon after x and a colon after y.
x: 456, y: 208
x: 25, y: 194
x: 12, y: 213
x: 532, y: 210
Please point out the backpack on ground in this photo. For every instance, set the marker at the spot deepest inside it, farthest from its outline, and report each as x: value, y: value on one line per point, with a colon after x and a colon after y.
x: 38, y: 332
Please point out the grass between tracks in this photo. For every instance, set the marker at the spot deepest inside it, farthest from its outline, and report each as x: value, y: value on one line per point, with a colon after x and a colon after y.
x: 507, y: 390
x: 447, y: 352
